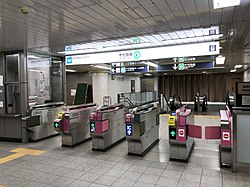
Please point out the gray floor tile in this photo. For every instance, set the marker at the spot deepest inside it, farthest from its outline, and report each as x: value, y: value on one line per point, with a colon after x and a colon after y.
x: 142, y: 163
x: 75, y: 174
x: 90, y: 177
x: 79, y: 183
x: 48, y: 168
x: 96, y: 185
x: 247, y: 184
x: 100, y: 170
x: 211, y: 180
x: 191, y: 177
x: 212, y: 173
x: 62, y: 181
x: 148, y: 178
x: 192, y: 170
x: 85, y: 167
x: 34, y: 175
x: 48, y: 178
x: 172, y: 174
x: 60, y: 171
x: 158, y: 165
x: 123, y: 183
x: 108, y: 164
x: 122, y: 166
x: 106, y: 180
x: 188, y: 183
x: 167, y: 181
x: 131, y: 176
x: 115, y: 172
x: 233, y: 183
x: 175, y: 167
x: 115, y: 158
x: 154, y: 171
x: 137, y: 169
x: 35, y: 184
x: 142, y: 184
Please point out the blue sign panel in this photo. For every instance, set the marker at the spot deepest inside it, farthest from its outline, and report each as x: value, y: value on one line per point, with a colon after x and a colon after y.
x: 129, y: 130
x: 69, y: 60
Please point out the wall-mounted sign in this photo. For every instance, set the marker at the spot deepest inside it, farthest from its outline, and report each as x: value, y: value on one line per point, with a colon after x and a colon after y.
x: 190, y: 50
x: 129, y: 69
x: 185, y: 66
x: 184, y: 59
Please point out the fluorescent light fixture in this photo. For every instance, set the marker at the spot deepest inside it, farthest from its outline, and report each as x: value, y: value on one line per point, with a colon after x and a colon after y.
x: 225, y: 3
x: 101, y: 67
x: 233, y: 70
x: 33, y: 56
x: 152, y: 64
x: 204, y: 72
x: 238, y: 66
x: 220, y: 60
x: 148, y: 74
x: 35, y: 70
x: 70, y: 70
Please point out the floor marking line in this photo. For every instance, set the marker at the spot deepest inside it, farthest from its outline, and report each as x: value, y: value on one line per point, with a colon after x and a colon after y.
x: 20, y: 152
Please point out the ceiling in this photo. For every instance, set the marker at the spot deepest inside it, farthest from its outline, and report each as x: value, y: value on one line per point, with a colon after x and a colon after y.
x: 52, y: 24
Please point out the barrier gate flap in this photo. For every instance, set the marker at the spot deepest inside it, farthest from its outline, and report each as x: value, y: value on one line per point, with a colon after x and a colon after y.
x: 212, y: 132
x: 194, y: 131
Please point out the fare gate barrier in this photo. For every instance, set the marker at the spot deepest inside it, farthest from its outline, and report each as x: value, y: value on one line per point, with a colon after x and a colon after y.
x: 107, y: 126
x: 73, y: 124
x: 182, y: 134
x: 142, y: 129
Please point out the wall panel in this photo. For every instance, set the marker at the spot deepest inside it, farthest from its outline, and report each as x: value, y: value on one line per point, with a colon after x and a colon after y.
x: 215, y: 86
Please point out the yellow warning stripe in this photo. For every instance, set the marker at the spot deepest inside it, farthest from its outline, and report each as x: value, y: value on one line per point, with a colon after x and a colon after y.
x: 204, y: 116
x: 1, y: 185
x: 164, y: 114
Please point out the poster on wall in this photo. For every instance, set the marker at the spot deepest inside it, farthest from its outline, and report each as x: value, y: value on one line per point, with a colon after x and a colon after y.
x: 73, y: 92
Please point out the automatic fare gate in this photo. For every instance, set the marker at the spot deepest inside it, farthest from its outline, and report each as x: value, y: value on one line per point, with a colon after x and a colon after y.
x: 182, y: 133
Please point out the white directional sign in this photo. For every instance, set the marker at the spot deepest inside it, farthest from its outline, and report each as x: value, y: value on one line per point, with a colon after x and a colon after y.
x: 190, y: 50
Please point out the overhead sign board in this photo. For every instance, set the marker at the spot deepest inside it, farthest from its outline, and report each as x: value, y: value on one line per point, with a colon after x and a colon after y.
x: 186, y: 66
x: 199, y: 49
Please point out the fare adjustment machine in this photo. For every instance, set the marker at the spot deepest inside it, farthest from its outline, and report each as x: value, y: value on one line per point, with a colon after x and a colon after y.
x: 107, y: 126
x: 142, y: 129
x: 181, y: 145
x: 73, y: 124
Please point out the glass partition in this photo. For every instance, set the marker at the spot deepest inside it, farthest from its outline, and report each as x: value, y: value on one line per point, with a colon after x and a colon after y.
x: 45, y: 79
x: 137, y: 98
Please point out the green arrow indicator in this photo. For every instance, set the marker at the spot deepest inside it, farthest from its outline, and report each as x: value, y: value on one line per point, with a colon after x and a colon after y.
x: 56, y: 125
x: 172, y: 133
x: 92, y: 125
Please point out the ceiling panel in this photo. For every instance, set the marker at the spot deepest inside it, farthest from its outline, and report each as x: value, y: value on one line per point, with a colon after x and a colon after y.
x: 203, y: 9
x: 191, y: 13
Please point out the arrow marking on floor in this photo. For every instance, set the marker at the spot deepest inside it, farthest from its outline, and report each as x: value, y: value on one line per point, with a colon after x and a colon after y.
x: 20, y: 152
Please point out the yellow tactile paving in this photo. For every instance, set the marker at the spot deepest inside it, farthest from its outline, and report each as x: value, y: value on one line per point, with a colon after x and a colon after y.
x: 1, y: 185
x: 19, y: 152
x: 204, y: 116
x: 164, y: 114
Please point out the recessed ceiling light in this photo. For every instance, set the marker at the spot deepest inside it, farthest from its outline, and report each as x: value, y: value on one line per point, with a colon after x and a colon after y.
x: 101, y: 67
x: 233, y: 70
x: 152, y: 64
x: 148, y: 74
x: 238, y: 66
x: 204, y: 72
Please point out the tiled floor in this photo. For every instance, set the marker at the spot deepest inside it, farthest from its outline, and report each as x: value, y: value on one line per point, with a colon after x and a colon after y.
x: 80, y: 166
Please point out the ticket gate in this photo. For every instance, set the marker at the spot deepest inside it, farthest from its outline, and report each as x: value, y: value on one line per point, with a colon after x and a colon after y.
x: 200, y: 103
x: 46, y: 113
x: 73, y: 124
x: 142, y: 129
x: 226, y: 140
x: 107, y: 126
x: 181, y: 145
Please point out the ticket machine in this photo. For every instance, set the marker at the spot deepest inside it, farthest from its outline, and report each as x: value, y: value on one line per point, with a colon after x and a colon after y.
x: 142, y: 129
x: 107, y: 126
x: 73, y: 124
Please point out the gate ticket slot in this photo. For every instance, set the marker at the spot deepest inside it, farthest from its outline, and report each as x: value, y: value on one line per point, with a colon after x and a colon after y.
x: 142, y: 129
x: 107, y: 126
x: 181, y: 145
x: 73, y: 124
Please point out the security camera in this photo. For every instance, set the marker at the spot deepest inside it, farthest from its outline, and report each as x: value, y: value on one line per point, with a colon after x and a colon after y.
x: 25, y: 9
